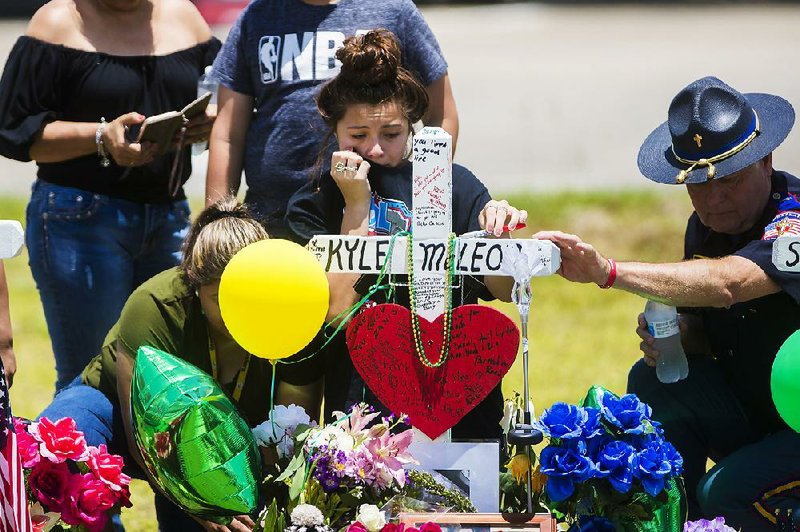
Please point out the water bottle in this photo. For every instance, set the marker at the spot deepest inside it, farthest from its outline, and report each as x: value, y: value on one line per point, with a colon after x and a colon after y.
x: 662, y: 323
x: 205, y: 84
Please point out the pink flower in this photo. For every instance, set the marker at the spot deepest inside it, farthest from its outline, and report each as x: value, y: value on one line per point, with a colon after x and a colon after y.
x: 60, y: 440
x: 27, y: 445
x: 49, y: 483
x: 88, y: 502
x: 360, y: 466
x: 356, y: 527
x: 392, y: 527
x: 108, y: 468
x: 390, y: 451
x: 430, y: 527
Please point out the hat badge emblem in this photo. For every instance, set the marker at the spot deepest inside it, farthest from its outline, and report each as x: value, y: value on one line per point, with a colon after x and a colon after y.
x: 698, y: 138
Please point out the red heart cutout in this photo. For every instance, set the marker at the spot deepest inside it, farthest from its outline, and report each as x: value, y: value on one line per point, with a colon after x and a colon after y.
x: 483, y: 345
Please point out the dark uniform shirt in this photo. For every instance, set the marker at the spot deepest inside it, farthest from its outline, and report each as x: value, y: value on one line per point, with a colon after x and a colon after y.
x: 746, y: 337
x: 317, y: 208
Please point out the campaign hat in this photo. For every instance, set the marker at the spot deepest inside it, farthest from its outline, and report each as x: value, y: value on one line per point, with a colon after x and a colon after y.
x: 712, y: 131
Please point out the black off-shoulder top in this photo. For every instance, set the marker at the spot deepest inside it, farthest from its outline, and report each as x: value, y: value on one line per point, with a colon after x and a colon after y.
x: 43, y: 82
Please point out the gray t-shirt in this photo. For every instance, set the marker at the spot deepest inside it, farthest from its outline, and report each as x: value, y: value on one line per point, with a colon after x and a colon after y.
x: 280, y: 52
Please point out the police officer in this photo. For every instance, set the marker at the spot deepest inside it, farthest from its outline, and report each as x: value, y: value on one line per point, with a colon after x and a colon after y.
x: 736, y: 307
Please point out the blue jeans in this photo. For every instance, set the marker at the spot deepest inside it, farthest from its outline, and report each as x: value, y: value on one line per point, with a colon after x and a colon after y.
x: 101, y: 423
x: 88, y: 252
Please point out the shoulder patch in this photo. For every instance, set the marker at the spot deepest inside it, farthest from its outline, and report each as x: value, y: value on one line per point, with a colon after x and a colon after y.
x: 785, y: 223
x: 788, y: 203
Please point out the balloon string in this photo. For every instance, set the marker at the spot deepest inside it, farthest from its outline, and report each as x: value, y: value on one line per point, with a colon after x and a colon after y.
x: 343, y: 317
x: 272, y: 401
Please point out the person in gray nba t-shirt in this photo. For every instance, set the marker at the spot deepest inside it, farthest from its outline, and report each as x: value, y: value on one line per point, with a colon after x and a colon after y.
x: 276, y: 56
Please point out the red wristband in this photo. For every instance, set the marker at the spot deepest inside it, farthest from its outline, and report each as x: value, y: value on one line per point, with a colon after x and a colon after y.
x: 612, y: 274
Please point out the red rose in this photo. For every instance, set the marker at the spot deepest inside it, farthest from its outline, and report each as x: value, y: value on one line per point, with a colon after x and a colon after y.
x: 108, y: 468
x: 430, y: 527
x: 356, y: 527
x: 88, y: 502
x: 49, y: 483
x: 392, y: 527
x: 60, y: 440
x: 27, y: 445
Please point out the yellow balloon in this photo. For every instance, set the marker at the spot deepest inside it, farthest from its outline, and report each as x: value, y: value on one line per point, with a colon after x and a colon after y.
x: 273, y: 297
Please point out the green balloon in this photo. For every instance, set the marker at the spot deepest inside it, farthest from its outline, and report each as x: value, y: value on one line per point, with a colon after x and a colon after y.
x: 194, y: 442
x: 785, y: 381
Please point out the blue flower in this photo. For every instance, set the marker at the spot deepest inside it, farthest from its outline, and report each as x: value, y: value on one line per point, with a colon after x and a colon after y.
x: 593, y: 425
x: 615, y: 461
x: 563, y: 421
x: 655, y: 463
x: 564, y: 466
x: 627, y: 413
x: 592, y: 523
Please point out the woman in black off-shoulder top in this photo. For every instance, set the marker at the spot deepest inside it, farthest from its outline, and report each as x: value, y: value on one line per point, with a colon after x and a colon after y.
x: 105, y: 213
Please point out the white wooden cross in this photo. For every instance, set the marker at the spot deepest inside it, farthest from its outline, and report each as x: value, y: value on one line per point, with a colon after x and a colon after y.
x: 431, y: 227
x: 786, y: 253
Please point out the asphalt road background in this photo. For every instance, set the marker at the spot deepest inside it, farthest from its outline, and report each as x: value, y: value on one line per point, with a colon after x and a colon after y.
x: 560, y: 97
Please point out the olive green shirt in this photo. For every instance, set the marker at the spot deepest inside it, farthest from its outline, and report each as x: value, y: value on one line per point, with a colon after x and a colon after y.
x: 165, y: 313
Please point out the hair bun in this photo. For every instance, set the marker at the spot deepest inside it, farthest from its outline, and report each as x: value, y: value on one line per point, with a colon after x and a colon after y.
x: 370, y: 59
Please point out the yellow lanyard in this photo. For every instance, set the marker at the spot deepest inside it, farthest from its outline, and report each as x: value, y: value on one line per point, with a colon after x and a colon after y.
x: 237, y: 390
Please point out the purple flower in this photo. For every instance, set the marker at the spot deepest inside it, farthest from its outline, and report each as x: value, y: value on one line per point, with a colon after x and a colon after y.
x: 615, y: 462
x: 627, y: 413
x: 329, y: 468
x: 563, y: 421
x: 654, y: 463
x: 704, y: 525
x: 564, y: 466
x: 361, y: 468
x: 329, y: 481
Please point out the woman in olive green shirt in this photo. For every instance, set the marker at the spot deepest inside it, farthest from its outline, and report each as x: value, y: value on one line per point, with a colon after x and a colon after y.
x: 176, y: 311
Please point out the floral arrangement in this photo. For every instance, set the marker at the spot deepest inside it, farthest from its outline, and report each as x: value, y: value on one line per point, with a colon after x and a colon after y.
x: 319, y: 477
x: 69, y: 483
x: 609, y: 463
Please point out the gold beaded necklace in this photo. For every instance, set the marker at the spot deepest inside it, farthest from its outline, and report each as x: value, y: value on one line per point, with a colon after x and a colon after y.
x: 448, y: 304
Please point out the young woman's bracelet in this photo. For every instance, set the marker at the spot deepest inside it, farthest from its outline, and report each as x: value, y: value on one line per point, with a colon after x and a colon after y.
x: 105, y: 162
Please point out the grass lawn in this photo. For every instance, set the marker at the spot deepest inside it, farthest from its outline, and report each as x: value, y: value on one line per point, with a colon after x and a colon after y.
x: 579, y: 335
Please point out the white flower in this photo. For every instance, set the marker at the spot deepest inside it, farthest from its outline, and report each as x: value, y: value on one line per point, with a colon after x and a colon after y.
x: 509, y: 415
x: 280, y: 427
x: 371, y: 517
x: 306, y: 515
x: 333, y: 436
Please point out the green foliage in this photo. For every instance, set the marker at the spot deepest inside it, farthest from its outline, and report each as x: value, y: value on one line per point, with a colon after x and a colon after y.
x: 579, y: 335
x: 274, y: 520
x: 422, y: 486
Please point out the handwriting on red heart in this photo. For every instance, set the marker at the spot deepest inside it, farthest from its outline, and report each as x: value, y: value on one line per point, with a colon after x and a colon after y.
x: 483, y: 346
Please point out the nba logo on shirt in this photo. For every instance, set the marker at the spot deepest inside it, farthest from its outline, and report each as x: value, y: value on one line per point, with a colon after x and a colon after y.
x: 268, y: 50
